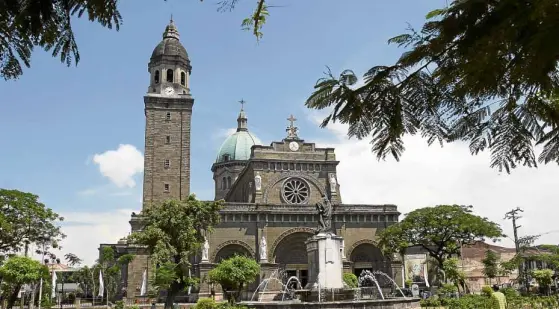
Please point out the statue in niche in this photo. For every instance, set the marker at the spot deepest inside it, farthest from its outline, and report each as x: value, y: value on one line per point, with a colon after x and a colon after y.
x: 324, y: 209
x: 333, y: 182
x: 263, y: 249
x: 258, y: 182
x: 205, y: 251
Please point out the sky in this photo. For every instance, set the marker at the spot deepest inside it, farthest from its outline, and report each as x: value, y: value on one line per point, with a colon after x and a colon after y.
x: 75, y: 135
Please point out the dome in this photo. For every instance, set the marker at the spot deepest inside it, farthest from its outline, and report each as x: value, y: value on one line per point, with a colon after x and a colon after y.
x: 170, y: 45
x: 237, y: 146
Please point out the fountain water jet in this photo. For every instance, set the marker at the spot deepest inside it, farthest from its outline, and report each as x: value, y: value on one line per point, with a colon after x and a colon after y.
x: 286, y: 286
x: 367, y: 275
x: 378, y: 272
x: 273, y: 277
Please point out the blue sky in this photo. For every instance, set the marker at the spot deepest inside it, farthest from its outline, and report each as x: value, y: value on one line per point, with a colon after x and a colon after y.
x: 55, y: 119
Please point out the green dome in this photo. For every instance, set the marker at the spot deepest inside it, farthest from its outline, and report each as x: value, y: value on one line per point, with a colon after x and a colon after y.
x: 237, y: 146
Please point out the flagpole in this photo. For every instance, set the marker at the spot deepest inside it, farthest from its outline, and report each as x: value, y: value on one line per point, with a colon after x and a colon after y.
x: 40, y: 292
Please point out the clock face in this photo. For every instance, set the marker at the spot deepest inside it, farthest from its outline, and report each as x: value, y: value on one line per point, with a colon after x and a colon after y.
x: 169, y: 90
x: 294, y: 146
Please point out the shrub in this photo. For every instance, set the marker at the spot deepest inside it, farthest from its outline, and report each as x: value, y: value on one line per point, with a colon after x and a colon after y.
x: 119, y: 304
x: 408, y: 283
x: 510, y: 293
x: 447, y: 289
x: 351, y: 280
x: 205, y: 303
x: 234, y: 274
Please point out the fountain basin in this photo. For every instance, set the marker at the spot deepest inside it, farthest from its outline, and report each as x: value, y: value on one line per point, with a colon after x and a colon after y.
x: 391, y: 303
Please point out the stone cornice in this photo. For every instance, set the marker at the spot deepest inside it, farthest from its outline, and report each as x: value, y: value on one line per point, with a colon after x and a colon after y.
x: 255, y: 208
x: 337, y: 209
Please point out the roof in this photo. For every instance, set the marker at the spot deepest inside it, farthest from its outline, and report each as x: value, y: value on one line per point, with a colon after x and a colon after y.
x: 170, y: 45
x: 237, y: 147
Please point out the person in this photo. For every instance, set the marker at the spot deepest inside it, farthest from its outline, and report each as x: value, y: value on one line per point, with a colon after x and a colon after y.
x: 498, y: 299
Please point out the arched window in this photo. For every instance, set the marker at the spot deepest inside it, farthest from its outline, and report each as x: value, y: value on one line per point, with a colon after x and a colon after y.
x: 229, y: 182
x: 170, y: 75
x: 183, y: 78
x: 156, y: 77
x: 223, y: 183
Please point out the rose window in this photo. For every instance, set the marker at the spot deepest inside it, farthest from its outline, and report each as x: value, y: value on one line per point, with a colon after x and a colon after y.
x: 295, y: 191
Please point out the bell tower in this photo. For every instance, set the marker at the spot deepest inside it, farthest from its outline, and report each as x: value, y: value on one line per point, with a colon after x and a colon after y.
x: 168, y: 111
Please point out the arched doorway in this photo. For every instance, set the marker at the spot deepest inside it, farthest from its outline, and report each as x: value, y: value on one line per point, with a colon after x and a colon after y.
x: 366, y: 256
x: 291, y: 255
x: 231, y: 250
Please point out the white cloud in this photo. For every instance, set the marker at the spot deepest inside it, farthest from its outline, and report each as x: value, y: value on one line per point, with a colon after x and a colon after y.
x: 121, y: 165
x: 86, y: 231
x: 224, y: 133
x: 427, y: 176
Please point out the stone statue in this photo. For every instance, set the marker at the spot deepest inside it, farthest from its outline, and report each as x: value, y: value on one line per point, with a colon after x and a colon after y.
x: 258, y: 182
x: 263, y: 249
x: 333, y: 182
x: 205, y: 251
x: 324, y: 209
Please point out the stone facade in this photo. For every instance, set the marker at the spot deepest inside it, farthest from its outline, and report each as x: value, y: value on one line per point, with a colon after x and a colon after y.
x: 167, y: 148
x: 271, y: 195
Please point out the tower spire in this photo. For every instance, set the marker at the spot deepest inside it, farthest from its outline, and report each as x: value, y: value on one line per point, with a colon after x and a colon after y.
x: 242, y: 119
x: 171, y: 30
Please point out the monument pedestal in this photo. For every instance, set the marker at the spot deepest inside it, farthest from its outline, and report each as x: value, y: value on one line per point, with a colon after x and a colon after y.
x: 205, y: 286
x: 324, y: 252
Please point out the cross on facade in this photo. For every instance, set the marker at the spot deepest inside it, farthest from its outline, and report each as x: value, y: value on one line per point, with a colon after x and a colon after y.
x: 242, y: 104
x: 291, y: 120
x: 292, y: 129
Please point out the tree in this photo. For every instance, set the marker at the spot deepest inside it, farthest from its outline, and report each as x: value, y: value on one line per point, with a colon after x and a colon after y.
x: 85, y: 277
x: 46, y: 24
x: 25, y: 221
x: 477, y: 71
x: 439, y: 230
x: 453, y: 273
x: 72, y: 259
x: 20, y: 270
x: 544, y: 278
x: 111, y: 268
x: 173, y: 231
x: 490, y: 265
x: 234, y: 274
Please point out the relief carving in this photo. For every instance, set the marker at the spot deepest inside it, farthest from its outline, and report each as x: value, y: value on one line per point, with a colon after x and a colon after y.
x: 282, y: 176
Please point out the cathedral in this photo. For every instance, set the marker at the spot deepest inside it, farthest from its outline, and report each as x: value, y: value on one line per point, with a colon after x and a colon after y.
x: 270, y: 190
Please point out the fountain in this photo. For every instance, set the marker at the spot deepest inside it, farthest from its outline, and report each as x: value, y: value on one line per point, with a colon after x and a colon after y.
x: 325, y: 289
x: 368, y: 277
x: 274, y: 276
x: 287, y: 287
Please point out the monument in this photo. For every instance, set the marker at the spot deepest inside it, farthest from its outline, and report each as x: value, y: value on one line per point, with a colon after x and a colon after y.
x: 324, y: 251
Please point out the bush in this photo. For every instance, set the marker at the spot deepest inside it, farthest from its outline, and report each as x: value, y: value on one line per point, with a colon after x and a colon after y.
x: 447, y: 289
x: 119, y: 304
x: 510, y: 293
x: 408, y: 283
x: 351, y: 280
x: 230, y: 306
x: 205, y: 303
